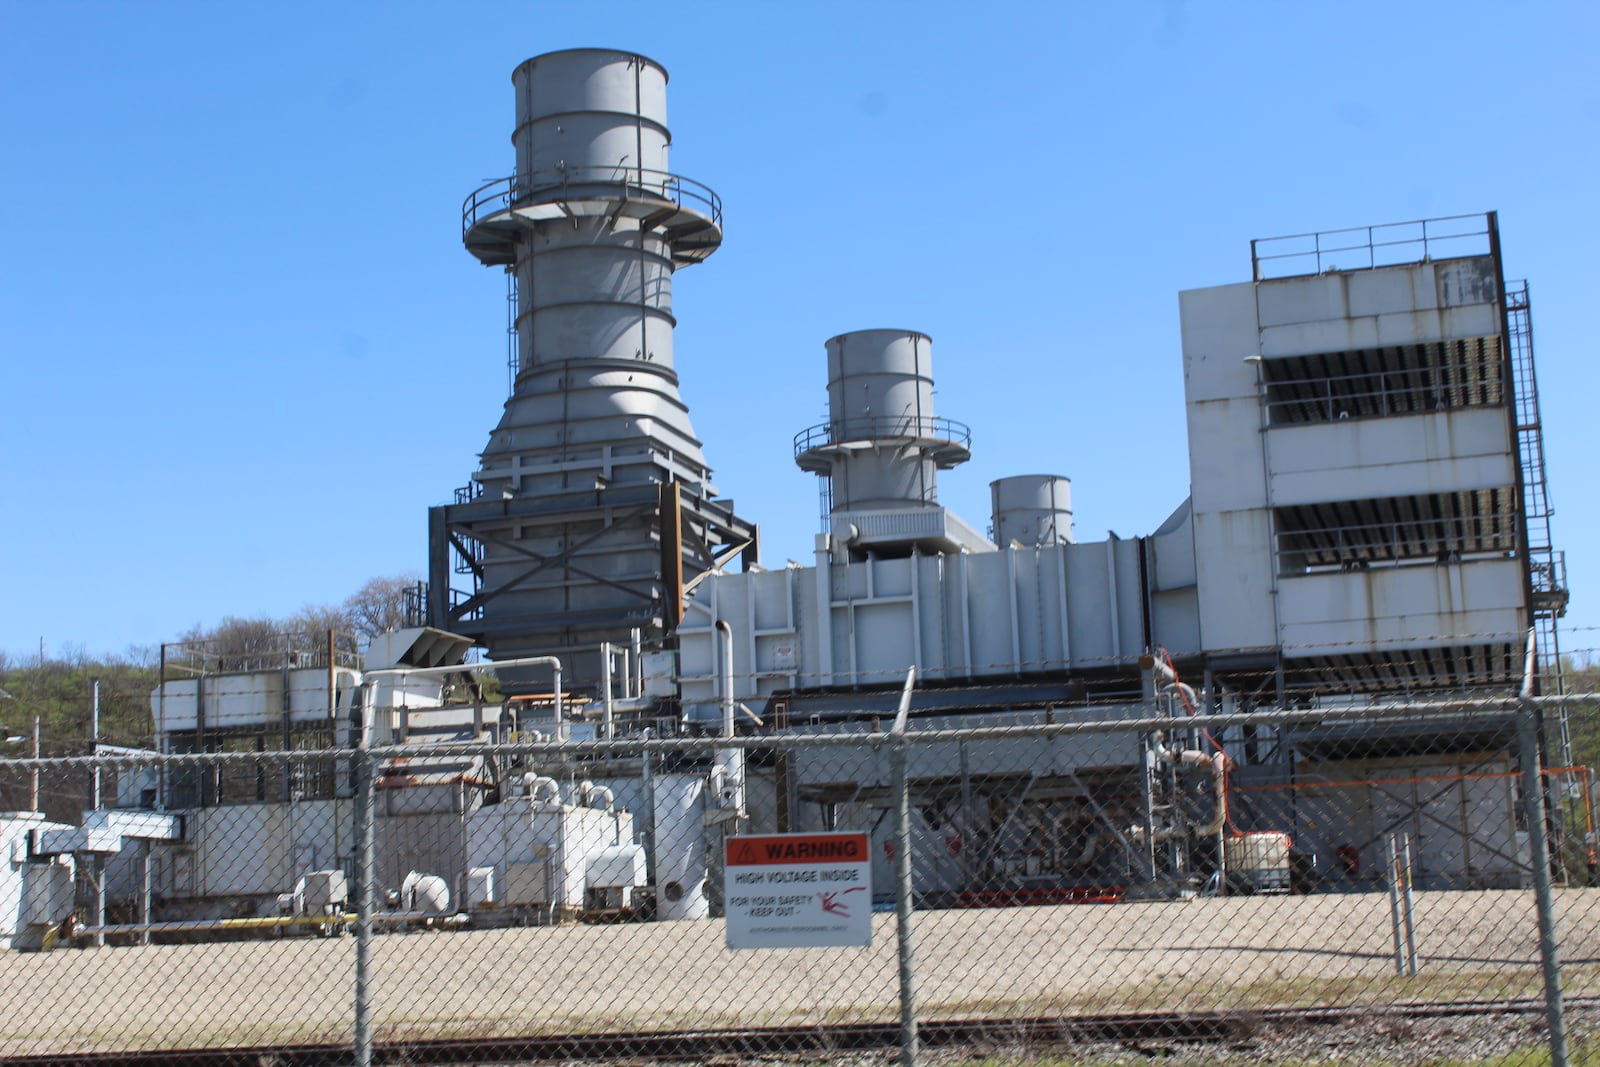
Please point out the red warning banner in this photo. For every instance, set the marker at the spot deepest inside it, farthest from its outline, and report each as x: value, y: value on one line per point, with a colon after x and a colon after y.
x: 780, y: 849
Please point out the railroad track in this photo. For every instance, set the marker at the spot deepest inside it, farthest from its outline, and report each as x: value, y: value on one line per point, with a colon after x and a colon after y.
x: 1135, y: 1029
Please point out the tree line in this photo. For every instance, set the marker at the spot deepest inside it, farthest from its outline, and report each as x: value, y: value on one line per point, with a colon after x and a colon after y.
x: 59, y: 690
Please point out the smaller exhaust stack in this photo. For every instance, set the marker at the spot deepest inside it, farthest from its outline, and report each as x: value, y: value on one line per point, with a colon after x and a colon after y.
x: 1032, y: 509
x: 882, y: 447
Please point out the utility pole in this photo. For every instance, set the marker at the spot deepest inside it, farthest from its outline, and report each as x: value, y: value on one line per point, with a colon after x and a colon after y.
x: 94, y: 736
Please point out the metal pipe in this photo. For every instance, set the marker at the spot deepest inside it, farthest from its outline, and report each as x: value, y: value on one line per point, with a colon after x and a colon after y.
x: 366, y: 902
x: 1393, y: 864
x: 161, y: 730
x: 1219, y: 776
x: 903, y: 884
x: 607, y: 730
x: 146, y: 892
x: 1147, y: 758
x: 637, y: 642
x: 647, y: 787
x: 537, y: 783
x: 727, y: 676
x: 33, y: 780
x: 97, y: 867
x: 468, y: 668
x: 728, y: 773
x: 1409, y: 901
x: 824, y: 577
x: 589, y: 792
x: 94, y: 736
x: 272, y: 922
x: 1533, y: 801
x: 333, y: 688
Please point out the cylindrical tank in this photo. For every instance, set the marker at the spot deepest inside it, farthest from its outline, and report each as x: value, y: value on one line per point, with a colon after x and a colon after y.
x: 681, y: 852
x: 591, y: 114
x: 1032, y: 509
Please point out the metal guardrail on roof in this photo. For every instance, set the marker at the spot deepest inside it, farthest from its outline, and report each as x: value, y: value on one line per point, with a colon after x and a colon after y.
x: 1366, y: 247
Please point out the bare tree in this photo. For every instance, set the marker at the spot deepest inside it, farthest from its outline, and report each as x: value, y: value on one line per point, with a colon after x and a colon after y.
x: 236, y: 644
x: 312, y: 624
x: 380, y: 605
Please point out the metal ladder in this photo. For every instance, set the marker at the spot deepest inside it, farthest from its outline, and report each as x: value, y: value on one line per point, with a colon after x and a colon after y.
x: 1546, y: 565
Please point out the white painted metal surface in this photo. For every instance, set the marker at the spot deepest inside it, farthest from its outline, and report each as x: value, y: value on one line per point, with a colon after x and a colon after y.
x: 35, y: 891
x: 980, y: 615
x: 682, y: 855
x: 250, y: 699
x: 1414, y: 454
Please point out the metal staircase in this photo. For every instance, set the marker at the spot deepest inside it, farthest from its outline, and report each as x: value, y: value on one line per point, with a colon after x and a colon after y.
x: 1546, y: 566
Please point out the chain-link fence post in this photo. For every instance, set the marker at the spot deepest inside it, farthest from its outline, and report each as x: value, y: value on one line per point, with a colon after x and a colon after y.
x: 1392, y: 862
x: 366, y: 902
x: 1409, y: 902
x: 903, y: 885
x: 1533, y: 803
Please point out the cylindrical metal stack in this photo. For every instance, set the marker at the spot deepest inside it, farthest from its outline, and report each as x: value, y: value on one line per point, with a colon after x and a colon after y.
x: 596, y: 386
x: 561, y: 528
x: 880, y: 387
x: 882, y: 445
x: 1032, y: 509
x: 590, y: 107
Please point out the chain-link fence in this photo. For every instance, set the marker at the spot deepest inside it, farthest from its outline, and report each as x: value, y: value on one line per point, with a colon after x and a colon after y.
x: 1401, y: 883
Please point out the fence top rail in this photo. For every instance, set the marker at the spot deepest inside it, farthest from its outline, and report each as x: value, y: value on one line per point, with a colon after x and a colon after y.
x: 1414, y: 713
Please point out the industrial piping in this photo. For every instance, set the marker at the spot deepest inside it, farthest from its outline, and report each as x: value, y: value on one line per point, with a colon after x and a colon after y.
x: 727, y: 776
x: 368, y: 683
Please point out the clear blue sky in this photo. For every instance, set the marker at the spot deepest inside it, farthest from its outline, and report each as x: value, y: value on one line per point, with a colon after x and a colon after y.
x: 243, y: 349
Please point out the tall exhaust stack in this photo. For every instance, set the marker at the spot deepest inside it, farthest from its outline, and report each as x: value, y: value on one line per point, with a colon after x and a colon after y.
x: 592, y: 504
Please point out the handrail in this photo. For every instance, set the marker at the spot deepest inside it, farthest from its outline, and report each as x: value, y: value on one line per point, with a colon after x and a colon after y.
x: 1368, y: 240
x: 1404, y: 542
x: 619, y: 182
x: 882, y: 426
x: 1395, y: 391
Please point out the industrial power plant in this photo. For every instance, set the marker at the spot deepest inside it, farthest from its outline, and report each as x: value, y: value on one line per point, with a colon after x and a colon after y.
x: 1367, y: 524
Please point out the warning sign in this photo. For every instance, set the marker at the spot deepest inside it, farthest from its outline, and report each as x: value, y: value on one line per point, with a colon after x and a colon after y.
x: 798, y: 890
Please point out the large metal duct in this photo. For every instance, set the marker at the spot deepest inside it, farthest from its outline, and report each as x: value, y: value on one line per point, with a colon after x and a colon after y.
x: 592, y: 502
x: 882, y: 446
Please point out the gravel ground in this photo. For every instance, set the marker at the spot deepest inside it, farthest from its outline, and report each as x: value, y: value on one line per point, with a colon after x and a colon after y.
x: 1228, y: 954
x: 1378, y: 1039
x: 1381, y: 1040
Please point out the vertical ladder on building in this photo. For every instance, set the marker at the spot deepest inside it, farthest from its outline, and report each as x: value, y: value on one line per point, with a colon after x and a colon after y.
x: 825, y: 502
x: 1546, y: 566
x: 513, y: 350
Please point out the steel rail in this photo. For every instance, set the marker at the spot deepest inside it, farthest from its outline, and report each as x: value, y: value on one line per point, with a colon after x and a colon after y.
x: 1190, y: 1027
